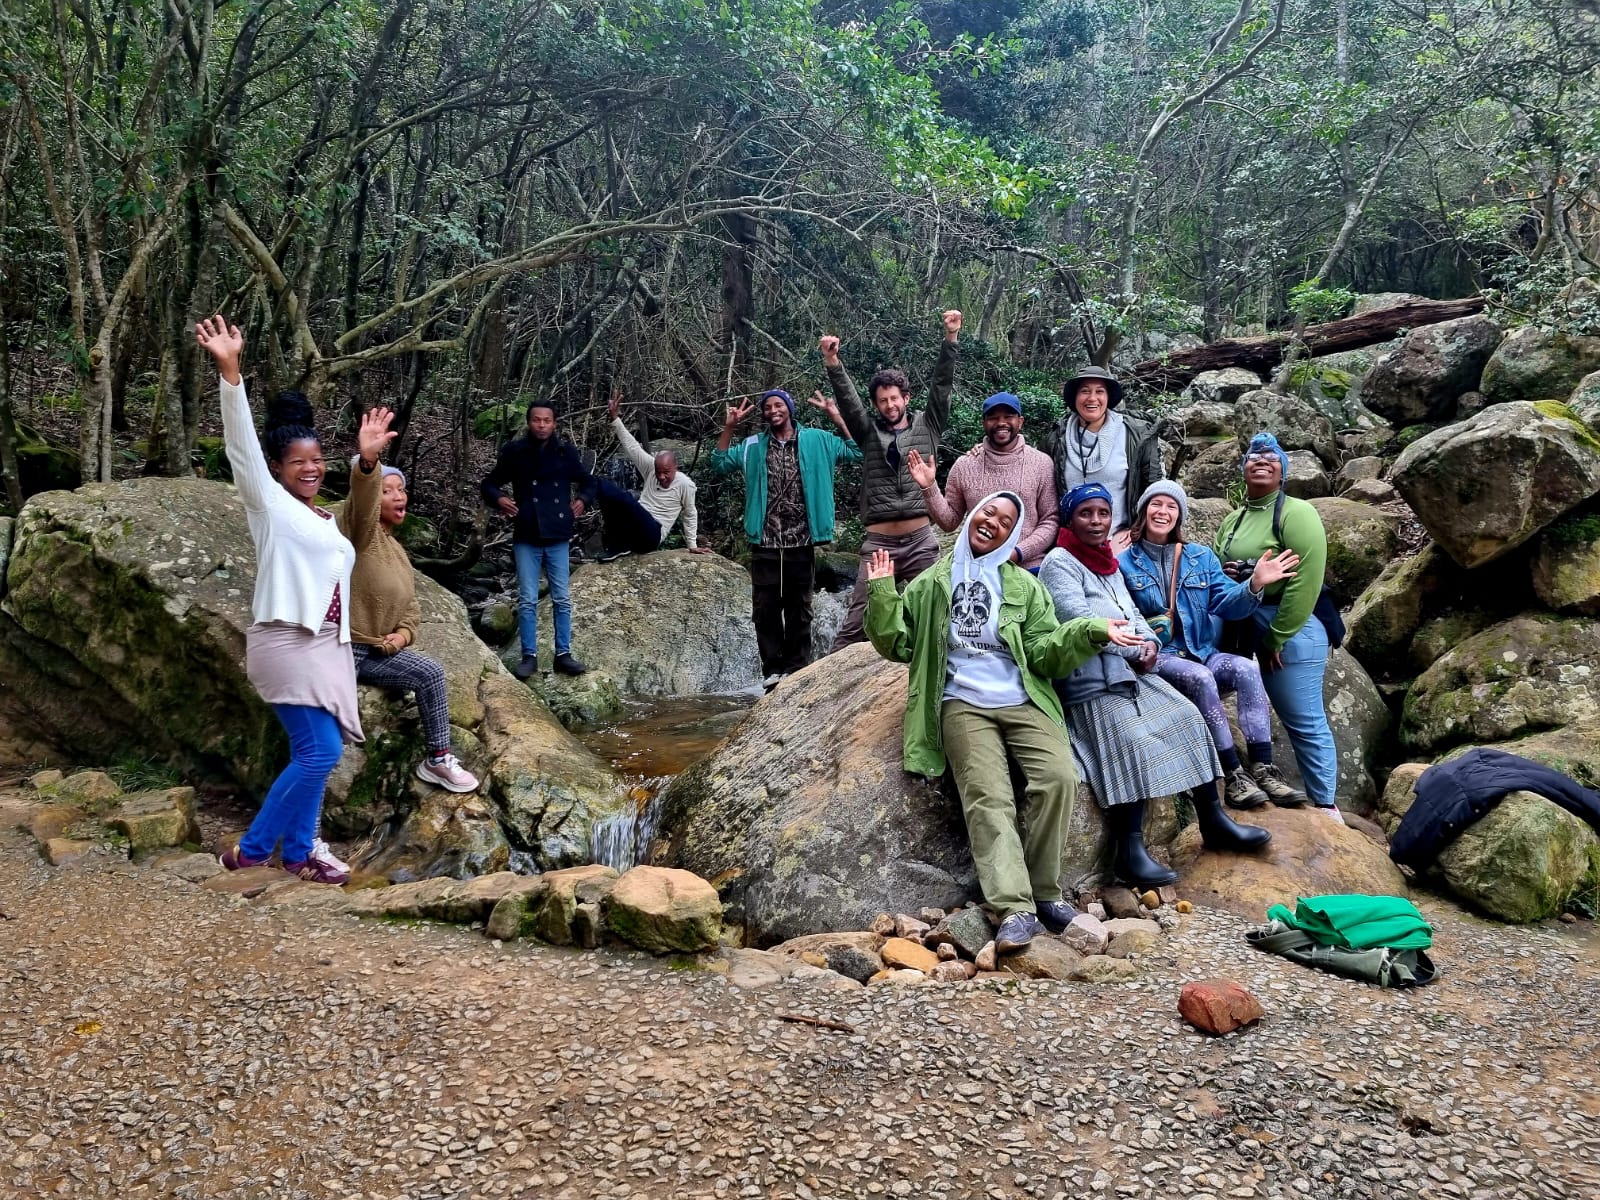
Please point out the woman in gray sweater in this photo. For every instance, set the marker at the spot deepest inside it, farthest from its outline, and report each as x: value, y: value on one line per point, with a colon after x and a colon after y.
x: 1134, y: 736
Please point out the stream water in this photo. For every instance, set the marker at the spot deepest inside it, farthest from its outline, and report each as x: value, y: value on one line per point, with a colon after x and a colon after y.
x: 648, y: 743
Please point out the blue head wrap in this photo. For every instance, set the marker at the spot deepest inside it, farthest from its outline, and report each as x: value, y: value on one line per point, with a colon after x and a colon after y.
x: 1260, y: 444
x: 1078, y: 495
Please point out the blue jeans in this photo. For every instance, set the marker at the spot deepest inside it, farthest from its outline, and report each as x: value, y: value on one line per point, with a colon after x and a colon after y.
x: 1296, y: 694
x: 556, y: 562
x: 289, y: 813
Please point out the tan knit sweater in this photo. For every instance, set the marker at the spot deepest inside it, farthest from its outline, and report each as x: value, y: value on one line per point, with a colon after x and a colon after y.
x: 383, y: 594
x: 1026, y: 471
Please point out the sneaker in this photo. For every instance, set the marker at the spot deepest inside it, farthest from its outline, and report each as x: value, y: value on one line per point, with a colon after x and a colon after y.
x: 1240, y: 791
x: 1055, y: 914
x: 613, y: 555
x: 1271, y: 781
x: 529, y: 666
x: 313, y: 871
x: 772, y: 681
x: 235, y: 859
x: 448, y: 773
x: 322, y: 854
x: 1331, y: 811
x: 1016, y: 931
x: 565, y: 664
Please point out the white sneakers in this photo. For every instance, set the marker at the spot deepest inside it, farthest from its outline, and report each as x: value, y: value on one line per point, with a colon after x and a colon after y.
x: 322, y: 854
x: 1331, y: 812
x: 448, y: 773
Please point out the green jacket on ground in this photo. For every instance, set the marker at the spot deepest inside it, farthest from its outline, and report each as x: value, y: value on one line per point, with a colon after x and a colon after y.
x: 915, y: 628
x: 818, y: 451
x: 1247, y: 532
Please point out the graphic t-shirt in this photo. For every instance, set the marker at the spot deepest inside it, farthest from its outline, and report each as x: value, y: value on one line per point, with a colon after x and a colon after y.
x: 979, y: 668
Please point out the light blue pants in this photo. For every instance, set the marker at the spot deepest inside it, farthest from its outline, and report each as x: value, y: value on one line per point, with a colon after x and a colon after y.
x: 293, y: 803
x: 1296, y: 694
x: 556, y: 563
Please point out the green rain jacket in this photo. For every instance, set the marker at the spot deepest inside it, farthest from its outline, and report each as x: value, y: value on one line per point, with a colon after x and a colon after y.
x: 915, y: 628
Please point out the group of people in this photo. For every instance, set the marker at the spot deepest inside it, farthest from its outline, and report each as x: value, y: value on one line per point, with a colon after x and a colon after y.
x: 1071, y: 629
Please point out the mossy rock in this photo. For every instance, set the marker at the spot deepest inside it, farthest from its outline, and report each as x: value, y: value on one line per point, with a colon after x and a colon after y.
x: 1523, y: 861
x: 1334, y: 383
x: 1534, y: 364
x: 1566, y: 569
x: 1438, y: 635
x: 1362, y: 541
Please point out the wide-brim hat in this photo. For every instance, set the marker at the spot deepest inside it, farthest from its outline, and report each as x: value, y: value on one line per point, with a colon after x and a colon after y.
x: 1069, y: 390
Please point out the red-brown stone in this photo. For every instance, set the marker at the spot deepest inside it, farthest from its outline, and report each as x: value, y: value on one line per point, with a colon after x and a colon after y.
x: 1218, y: 1006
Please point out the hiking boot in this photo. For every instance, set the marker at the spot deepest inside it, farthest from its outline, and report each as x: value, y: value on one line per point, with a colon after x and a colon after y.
x: 313, y: 871
x: 1241, y: 792
x: 613, y: 555
x: 528, y: 667
x: 1055, y: 914
x: 448, y: 773
x: 1016, y: 931
x: 1271, y: 781
x: 235, y: 859
x: 322, y: 854
x: 1218, y: 831
x: 565, y: 664
x: 772, y: 681
x: 1132, y: 864
x: 1331, y: 811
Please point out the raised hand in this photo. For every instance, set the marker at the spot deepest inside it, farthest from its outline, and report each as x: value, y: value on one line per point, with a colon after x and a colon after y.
x: 223, y: 342
x: 818, y: 400
x: 1270, y: 570
x: 375, y: 435
x: 952, y: 323
x: 614, y: 406
x: 880, y: 566
x: 1120, y: 633
x: 922, y: 470
x: 737, y: 414
x: 829, y: 346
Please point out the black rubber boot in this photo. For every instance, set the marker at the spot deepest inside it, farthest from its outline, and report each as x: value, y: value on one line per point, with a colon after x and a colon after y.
x: 1218, y: 830
x: 1133, y: 863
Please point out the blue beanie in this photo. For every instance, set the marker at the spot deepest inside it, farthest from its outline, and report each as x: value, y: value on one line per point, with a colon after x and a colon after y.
x: 781, y: 395
x: 1081, y: 494
x: 1260, y: 444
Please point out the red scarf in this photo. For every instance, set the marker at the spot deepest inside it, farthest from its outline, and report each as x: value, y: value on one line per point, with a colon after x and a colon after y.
x: 1098, y: 559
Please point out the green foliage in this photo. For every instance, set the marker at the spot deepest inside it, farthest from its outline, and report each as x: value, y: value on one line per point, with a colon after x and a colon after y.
x: 135, y: 774
x: 1314, y: 304
x: 1575, y: 530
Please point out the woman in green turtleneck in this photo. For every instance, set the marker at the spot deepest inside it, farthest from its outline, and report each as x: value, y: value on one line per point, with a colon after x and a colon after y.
x: 1293, y: 645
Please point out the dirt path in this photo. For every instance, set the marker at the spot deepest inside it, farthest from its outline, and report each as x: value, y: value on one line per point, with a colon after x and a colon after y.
x: 161, y: 1040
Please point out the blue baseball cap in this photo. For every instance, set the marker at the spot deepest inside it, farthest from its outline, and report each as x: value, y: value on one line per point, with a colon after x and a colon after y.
x: 1002, y: 400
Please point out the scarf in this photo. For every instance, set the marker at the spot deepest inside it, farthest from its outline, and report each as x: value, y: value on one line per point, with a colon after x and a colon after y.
x: 1089, y: 451
x: 1098, y: 559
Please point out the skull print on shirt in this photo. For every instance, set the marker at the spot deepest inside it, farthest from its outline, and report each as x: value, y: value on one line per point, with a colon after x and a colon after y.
x: 970, y: 602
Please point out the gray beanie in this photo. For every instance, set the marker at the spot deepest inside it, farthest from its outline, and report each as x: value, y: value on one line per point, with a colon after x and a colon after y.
x: 1164, y: 487
x: 385, y: 470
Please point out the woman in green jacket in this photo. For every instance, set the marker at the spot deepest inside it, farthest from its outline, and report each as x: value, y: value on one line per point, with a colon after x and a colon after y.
x: 983, y: 643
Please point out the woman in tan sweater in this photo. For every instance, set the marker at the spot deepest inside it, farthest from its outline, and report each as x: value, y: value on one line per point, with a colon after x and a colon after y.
x: 384, y: 613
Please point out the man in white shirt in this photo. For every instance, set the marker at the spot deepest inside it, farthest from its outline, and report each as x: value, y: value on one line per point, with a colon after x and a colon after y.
x: 667, y: 493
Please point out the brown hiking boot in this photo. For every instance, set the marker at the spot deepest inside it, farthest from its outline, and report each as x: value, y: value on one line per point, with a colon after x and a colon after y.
x: 1241, y: 792
x: 1271, y: 781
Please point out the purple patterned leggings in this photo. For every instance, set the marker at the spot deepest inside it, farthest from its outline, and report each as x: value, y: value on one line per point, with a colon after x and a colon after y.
x: 1204, y: 684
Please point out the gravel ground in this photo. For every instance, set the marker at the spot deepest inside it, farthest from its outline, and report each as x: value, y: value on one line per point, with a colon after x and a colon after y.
x: 157, y: 1039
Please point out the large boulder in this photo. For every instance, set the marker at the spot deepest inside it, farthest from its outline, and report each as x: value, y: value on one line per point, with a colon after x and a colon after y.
x: 1585, y: 401
x: 1387, y: 614
x: 806, y: 822
x: 670, y: 623
x: 1309, y: 855
x: 1222, y: 386
x: 138, y: 594
x: 1362, y: 541
x: 1307, y: 478
x: 1535, y: 364
x: 1420, y: 379
x: 1528, y: 673
x: 1205, y: 518
x: 1566, y: 568
x: 1207, y: 474
x: 1487, y: 485
x: 1295, y: 421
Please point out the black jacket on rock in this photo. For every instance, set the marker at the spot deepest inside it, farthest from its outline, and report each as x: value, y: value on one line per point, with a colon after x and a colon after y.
x: 541, y: 476
x: 1452, y: 795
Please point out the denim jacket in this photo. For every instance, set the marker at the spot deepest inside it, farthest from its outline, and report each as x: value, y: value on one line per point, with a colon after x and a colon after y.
x: 1206, y: 597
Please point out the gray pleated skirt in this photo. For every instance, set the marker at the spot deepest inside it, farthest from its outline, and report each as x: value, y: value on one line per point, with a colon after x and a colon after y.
x: 1152, y: 743
x: 288, y: 664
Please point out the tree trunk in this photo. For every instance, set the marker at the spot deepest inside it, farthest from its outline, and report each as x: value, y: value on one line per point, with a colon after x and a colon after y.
x: 1263, y: 354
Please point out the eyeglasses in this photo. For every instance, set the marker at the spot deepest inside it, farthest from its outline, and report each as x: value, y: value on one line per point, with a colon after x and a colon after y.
x: 1261, y: 456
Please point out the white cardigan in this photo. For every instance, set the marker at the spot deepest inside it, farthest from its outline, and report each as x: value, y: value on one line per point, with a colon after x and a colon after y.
x: 300, y: 557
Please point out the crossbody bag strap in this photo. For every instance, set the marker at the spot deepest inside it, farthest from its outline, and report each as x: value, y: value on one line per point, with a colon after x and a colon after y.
x: 1172, y: 584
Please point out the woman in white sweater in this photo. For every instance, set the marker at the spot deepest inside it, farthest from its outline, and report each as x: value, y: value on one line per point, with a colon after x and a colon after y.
x: 298, y: 650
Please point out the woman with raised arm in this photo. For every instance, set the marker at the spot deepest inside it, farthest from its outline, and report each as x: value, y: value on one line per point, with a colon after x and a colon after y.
x: 297, y: 651
x: 384, y: 613
x: 1135, y: 738
x: 1181, y: 589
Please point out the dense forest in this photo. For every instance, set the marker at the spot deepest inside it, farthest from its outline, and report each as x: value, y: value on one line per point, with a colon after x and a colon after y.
x: 458, y: 205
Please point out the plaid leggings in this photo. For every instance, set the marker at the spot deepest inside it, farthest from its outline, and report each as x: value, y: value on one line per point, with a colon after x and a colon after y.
x: 408, y: 671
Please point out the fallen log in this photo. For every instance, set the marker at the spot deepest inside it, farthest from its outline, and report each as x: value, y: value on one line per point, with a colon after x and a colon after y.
x: 1173, y: 372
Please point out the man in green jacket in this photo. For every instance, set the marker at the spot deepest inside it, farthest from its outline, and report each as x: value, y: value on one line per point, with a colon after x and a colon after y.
x: 788, y: 510
x: 983, y: 642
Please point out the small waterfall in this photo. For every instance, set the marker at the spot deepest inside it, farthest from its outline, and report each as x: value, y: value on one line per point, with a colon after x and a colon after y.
x: 623, y: 839
x: 828, y: 611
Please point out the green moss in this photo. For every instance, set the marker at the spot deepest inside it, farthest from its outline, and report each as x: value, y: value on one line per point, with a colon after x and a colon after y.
x: 1555, y: 410
x: 1411, y: 433
x: 1575, y: 530
x: 1335, y: 384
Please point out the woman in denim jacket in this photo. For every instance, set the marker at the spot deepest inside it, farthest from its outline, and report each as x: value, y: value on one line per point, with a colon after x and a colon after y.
x: 1190, y: 617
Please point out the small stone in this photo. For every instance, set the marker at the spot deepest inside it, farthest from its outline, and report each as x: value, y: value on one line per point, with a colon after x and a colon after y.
x: 955, y: 971
x: 931, y: 916
x: 1135, y: 943
x: 1184, y: 907
x: 664, y: 910
x: 986, y: 958
x: 812, y: 959
x: 901, y: 977
x: 88, y: 789
x: 853, y: 962
x: 1096, y: 910
x: 1101, y: 968
x: 40, y: 780
x: 1086, y: 935
x: 947, y: 952
x: 193, y: 867
x: 910, y: 927
x: 62, y: 851
x: 1218, y: 1006
x: 1569, y: 918
x: 903, y: 952
x: 967, y: 930
x: 1120, y: 925
x: 1121, y: 903
x: 1168, y: 894
x: 1150, y: 899
x: 1042, y: 958
x: 883, y: 924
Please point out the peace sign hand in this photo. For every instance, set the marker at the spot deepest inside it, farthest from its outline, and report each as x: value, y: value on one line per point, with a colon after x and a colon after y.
x: 737, y: 414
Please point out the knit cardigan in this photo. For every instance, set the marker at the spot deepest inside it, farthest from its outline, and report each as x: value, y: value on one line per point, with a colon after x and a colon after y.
x: 300, y: 556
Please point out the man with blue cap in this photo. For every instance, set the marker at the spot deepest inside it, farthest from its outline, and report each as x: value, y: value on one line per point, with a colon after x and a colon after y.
x: 788, y: 510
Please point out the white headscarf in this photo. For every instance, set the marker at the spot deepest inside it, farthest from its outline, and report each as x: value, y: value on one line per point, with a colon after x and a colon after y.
x: 979, y: 668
